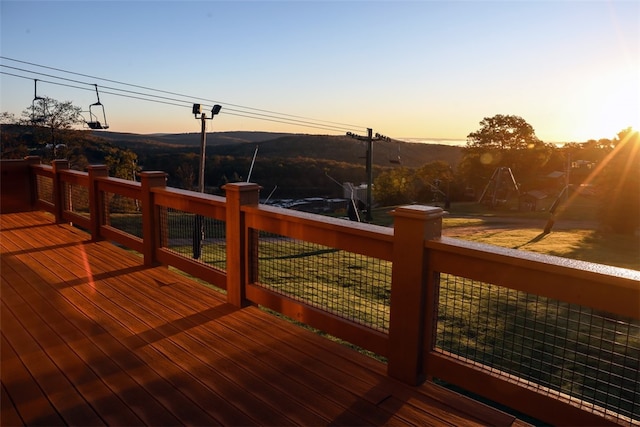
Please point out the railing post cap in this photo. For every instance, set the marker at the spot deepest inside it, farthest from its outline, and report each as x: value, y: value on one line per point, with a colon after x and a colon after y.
x: 152, y: 173
x: 241, y: 186
x: 33, y: 160
x: 150, y: 179
x: 97, y: 167
x: 60, y: 164
x: 418, y: 212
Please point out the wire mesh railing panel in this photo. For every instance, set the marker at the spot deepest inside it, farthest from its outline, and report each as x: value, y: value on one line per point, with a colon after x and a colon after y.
x: 194, y: 236
x: 123, y: 213
x: 76, y: 199
x: 44, y: 188
x: 586, y: 354
x: 350, y: 285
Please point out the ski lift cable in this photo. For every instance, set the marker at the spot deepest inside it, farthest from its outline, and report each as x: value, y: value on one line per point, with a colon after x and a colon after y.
x: 281, y: 121
x: 184, y: 105
x: 93, y: 84
x: 178, y: 94
x: 187, y: 103
x: 288, y: 120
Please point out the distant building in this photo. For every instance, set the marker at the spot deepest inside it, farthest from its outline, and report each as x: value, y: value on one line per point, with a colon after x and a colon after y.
x: 582, y: 164
x: 356, y: 192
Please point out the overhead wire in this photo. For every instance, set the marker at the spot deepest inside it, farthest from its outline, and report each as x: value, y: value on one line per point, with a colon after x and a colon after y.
x: 164, y: 100
x: 186, y: 105
x: 92, y: 89
x: 240, y: 111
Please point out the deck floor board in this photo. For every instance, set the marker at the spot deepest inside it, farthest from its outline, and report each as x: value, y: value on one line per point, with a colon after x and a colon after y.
x: 91, y: 337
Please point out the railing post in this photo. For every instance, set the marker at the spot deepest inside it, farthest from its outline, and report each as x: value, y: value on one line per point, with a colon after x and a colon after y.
x: 412, y: 307
x: 150, y: 215
x: 33, y: 183
x: 58, y: 188
x: 238, y: 242
x: 17, y: 185
x: 96, y: 199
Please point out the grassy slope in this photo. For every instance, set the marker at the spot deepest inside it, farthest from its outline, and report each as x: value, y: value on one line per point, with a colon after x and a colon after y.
x: 576, y: 233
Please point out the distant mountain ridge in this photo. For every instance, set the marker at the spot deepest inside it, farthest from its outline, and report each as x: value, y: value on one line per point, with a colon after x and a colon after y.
x: 192, y: 138
x: 298, y: 165
x: 290, y: 145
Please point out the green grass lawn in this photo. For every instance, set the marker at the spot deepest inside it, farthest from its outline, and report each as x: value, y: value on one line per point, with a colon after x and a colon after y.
x: 586, y: 245
x: 575, y: 233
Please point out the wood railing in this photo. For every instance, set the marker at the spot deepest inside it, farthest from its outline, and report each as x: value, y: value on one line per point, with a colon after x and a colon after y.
x: 436, y: 284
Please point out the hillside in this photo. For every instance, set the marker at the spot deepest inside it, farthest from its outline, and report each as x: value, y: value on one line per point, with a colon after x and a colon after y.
x: 298, y: 164
x: 185, y: 139
x: 283, y: 146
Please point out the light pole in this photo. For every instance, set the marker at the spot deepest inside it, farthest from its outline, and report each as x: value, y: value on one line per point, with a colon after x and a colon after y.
x: 198, y: 114
x: 198, y: 227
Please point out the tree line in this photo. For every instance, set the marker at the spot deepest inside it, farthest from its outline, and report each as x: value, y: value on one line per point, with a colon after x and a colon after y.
x: 610, y: 166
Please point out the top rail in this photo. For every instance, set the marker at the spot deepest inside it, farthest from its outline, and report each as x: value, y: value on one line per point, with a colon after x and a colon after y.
x: 365, y: 239
x: 190, y: 201
x: 601, y: 287
x: 121, y: 187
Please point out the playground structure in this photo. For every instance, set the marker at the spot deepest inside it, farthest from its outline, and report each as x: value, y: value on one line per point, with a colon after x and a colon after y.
x: 499, y: 188
x: 503, y: 184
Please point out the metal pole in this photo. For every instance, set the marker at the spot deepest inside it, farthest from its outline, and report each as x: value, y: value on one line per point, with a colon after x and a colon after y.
x: 198, y: 226
x: 203, y: 145
x: 369, y: 171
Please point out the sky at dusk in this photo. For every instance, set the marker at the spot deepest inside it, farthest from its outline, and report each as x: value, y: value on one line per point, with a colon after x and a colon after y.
x: 419, y: 69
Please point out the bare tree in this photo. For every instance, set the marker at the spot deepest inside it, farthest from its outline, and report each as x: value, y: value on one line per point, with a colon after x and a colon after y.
x: 50, y: 119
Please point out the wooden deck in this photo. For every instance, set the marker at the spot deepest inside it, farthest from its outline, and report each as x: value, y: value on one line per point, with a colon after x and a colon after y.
x: 91, y: 337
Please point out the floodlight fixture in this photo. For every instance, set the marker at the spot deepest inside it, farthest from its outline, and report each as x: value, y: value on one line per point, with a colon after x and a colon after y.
x: 197, y: 112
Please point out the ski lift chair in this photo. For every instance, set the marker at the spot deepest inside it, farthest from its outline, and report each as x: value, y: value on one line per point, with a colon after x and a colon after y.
x: 93, y: 122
